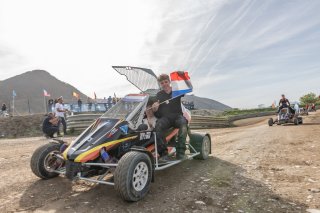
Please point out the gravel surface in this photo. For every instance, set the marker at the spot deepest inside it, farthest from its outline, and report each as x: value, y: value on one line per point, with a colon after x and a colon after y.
x: 254, y: 168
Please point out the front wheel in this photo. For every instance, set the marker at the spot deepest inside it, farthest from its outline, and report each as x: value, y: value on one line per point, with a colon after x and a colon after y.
x: 45, y: 161
x: 270, y: 122
x: 295, y: 121
x: 132, y: 177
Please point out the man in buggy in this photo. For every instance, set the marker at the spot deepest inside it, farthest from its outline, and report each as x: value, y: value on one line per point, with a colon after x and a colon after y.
x: 284, y: 103
x: 169, y: 113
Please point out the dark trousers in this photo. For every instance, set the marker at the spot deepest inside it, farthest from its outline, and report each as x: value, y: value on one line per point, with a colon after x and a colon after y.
x: 164, y: 124
x: 64, y: 124
x: 50, y: 131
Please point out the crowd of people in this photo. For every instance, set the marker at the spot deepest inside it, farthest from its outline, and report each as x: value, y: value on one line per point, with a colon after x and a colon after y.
x: 56, y: 113
x: 89, y: 106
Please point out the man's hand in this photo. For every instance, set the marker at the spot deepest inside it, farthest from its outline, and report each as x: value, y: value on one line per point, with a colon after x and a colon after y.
x: 155, y: 106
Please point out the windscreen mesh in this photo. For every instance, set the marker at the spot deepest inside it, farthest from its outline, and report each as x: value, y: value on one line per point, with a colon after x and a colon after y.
x: 136, y: 118
x: 143, y: 79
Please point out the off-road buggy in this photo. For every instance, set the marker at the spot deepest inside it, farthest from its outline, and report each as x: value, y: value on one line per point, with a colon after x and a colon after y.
x: 285, y: 116
x: 116, y: 149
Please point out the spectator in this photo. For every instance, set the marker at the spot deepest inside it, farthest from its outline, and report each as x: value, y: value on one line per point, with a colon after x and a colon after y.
x: 3, y: 108
x: 50, y: 104
x: 105, y: 103
x: 59, y: 109
x: 89, y: 104
x: 109, y: 101
x: 79, y: 104
x: 50, y: 125
x: 114, y: 100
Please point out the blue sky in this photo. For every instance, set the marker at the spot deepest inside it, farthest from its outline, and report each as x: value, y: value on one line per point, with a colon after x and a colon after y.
x: 241, y: 53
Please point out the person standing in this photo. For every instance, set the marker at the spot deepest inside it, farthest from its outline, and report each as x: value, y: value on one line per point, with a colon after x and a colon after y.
x: 89, y: 104
x: 4, y: 108
x: 79, y: 104
x: 59, y: 110
x: 50, y: 104
x: 109, y: 101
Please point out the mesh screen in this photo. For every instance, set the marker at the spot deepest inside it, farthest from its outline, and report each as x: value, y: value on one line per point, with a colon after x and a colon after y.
x: 135, y: 120
x: 142, y: 78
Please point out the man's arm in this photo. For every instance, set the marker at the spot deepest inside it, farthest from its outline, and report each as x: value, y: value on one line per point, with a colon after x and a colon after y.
x: 288, y: 102
x: 54, y: 121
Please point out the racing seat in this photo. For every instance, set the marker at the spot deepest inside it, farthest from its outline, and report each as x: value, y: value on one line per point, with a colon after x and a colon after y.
x: 172, y: 133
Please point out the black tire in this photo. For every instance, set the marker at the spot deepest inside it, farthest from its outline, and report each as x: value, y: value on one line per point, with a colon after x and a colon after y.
x: 129, y: 187
x: 270, y: 122
x: 204, y: 147
x: 295, y: 121
x: 40, y: 156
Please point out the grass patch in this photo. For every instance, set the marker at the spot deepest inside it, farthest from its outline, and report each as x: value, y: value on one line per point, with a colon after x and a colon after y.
x: 234, y: 112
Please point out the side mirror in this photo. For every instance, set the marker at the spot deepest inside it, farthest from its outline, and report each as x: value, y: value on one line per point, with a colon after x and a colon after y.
x: 142, y: 127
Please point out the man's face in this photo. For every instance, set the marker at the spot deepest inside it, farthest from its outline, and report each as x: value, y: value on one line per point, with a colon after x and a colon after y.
x: 283, y: 96
x: 165, y: 84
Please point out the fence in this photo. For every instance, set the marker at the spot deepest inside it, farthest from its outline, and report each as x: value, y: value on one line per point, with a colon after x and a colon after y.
x: 82, y: 121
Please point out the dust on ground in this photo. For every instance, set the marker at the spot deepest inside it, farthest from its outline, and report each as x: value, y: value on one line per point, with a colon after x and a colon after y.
x: 254, y: 168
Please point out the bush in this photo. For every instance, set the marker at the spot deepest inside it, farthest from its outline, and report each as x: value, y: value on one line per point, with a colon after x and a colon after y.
x: 309, y: 98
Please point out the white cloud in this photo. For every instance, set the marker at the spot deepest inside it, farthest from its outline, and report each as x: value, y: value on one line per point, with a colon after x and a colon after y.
x: 242, y: 53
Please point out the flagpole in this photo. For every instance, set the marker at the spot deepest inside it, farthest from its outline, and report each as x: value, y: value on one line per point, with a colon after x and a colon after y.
x: 44, y: 104
x: 12, y: 105
x: 29, y: 107
x: 166, y: 101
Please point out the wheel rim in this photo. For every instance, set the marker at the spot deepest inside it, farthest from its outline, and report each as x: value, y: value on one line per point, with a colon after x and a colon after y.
x: 51, y: 162
x: 206, y: 146
x: 140, y: 176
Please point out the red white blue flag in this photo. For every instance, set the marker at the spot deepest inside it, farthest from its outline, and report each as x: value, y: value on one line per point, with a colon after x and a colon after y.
x: 180, y: 83
x: 45, y: 93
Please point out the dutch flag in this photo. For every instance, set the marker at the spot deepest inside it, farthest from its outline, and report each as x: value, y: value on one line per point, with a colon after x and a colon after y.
x: 180, y: 83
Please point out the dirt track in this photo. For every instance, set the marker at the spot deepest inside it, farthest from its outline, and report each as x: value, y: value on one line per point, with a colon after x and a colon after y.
x: 255, y: 168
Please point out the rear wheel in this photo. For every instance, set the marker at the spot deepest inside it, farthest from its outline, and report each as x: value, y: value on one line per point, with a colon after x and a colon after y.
x: 295, y: 121
x: 270, y: 122
x: 44, y: 161
x: 202, y: 145
x: 132, y: 177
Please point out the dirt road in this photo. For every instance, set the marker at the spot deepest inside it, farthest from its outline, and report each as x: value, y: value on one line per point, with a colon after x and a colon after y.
x: 254, y: 168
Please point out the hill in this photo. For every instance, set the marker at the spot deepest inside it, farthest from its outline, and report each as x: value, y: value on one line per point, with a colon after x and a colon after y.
x: 29, y: 88
x: 206, y: 103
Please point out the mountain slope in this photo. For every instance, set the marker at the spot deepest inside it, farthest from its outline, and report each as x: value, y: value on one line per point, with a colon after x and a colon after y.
x: 29, y: 87
x: 205, y: 103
